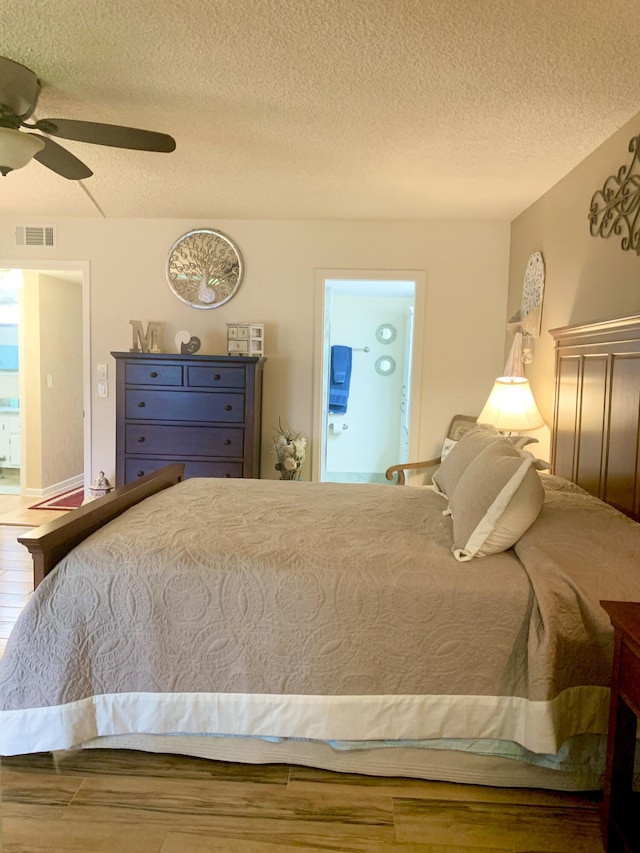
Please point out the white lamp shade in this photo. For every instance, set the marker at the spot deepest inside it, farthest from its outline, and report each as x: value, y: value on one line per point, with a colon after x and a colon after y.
x: 17, y: 148
x: 511, y: 407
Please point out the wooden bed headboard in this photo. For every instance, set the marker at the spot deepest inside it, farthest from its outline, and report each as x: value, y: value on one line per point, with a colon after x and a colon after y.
x: 596, y: 424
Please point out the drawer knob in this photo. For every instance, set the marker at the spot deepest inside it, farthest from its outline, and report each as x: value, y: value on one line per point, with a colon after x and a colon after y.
x: 141, y: 439
x: 141, y: 405
x: 227, y: 408
x: 227, y: 441
x: 216, y: 376
x: 154, y: 374
x: 140, y: 473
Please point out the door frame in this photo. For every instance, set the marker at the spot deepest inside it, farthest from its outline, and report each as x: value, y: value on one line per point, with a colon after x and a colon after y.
x: 321, y: 355
x: 84, y: 268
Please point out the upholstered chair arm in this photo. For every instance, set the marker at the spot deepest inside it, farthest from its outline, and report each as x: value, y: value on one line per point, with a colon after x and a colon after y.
x: 406, y: 466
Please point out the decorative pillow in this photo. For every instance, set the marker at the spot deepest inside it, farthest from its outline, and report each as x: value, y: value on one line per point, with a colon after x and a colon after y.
x: 519, y: 441
x: 461, y: 455
x: 497, y: 498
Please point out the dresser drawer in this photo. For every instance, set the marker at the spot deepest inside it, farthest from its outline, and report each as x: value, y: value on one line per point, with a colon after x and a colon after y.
x: 183, y: 440
x: 137, y: 467
x: 215, y: 377
x: 184, y: 406
x: 153, y: 374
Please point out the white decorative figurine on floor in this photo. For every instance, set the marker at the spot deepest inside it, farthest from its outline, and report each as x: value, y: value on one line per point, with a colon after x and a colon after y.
x: 100, y: 486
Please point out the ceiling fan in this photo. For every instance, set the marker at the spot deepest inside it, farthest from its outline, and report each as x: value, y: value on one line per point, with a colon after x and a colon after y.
x: 19, y: 90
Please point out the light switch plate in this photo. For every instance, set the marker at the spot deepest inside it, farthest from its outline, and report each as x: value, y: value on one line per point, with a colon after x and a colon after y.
x: 103, y: 389
x: 101, y: 370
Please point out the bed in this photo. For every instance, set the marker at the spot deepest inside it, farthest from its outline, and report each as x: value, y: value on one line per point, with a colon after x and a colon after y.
x: 332, y: 625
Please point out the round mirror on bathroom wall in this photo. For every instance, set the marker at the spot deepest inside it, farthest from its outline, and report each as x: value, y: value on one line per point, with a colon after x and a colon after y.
x: 386, y: 333
x: 385, y: 365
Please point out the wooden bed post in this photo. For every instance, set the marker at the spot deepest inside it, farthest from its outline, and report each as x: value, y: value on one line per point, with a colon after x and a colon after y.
x: 49, y: 543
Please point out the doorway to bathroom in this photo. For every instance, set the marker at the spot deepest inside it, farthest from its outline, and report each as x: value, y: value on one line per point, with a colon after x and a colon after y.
x: 367, y: 366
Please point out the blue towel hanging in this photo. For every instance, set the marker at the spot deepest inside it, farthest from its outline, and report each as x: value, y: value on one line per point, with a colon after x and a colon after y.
x: 339, y: 379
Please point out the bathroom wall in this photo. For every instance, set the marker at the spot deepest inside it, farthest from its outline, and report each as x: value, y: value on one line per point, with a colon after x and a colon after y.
x: 365, y: 441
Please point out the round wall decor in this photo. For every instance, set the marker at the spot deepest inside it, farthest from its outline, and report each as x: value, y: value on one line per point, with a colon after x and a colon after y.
x: 532, y: 294
x: 204, y: 268
x: 385, y: 365
x: 386, y: 333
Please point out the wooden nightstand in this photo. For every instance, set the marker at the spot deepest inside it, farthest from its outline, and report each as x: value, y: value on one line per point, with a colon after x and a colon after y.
x: 621, y: 806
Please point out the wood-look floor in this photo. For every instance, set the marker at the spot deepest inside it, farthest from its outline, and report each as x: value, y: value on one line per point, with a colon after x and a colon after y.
x: 16, y: 572
x: 142, y: 803
x: 15, y: 510
x: 110, y: 801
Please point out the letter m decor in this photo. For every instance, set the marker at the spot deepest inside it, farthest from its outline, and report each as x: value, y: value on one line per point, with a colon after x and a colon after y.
x: 148, y: 341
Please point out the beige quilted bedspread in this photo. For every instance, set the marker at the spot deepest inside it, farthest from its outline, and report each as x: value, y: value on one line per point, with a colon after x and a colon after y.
x: 249, y: 586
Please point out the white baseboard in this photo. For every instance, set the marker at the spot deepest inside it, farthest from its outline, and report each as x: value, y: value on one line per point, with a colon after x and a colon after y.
x: 57, y: 488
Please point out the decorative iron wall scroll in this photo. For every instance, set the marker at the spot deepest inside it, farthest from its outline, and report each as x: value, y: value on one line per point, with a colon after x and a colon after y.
x: 615, y: 209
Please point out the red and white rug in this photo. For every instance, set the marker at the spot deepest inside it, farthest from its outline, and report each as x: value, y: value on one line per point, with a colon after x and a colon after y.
x: 68, y: 500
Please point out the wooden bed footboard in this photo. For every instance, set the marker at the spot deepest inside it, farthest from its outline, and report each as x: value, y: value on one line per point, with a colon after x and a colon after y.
x: 49, y: 543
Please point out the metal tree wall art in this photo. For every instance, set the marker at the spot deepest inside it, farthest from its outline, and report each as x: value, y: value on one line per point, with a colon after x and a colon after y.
x: 615, y: 209
x: 204, y: 268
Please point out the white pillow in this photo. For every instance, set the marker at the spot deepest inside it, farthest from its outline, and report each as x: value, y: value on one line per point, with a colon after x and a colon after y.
x: 447, y: 445
x: 519, y: 441
x: 497, y: 498
x: 461, y: 455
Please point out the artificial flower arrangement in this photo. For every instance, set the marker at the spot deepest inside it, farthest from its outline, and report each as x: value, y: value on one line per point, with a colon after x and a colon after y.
x: 290, y: 448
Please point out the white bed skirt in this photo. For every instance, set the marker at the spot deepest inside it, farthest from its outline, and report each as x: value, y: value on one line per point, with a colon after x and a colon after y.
x: 441, y: 765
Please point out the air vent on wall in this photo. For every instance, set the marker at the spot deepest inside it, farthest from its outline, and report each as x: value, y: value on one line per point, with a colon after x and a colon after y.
x: 36, y: 235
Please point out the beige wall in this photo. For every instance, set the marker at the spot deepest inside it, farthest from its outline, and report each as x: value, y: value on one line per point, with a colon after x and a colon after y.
x: 30, y: 397
x: 61, y: 359
x: 587, y: 278
x: 52, y: 312
x: 466, y: 266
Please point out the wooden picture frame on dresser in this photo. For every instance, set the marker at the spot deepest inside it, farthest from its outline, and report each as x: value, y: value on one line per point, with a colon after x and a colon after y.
x: 201, y: 410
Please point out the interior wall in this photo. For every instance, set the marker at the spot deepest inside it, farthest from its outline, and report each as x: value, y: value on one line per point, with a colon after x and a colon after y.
x: 30, y: 396
x: 462, y: 328
x: 587, y: 278
x: 61, y: 379
x: 53, y: 409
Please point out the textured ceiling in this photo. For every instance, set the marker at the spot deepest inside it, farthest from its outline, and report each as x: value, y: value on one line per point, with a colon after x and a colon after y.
x: 331, y: 109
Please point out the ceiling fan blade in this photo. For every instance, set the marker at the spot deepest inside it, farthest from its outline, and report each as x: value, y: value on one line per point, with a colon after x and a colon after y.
x: 108, y: 134
x: 19, y: 88
x: 59, y: 160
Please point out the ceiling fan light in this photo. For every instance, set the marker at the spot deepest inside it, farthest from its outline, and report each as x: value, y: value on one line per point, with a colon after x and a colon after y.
x: 17, y: 149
